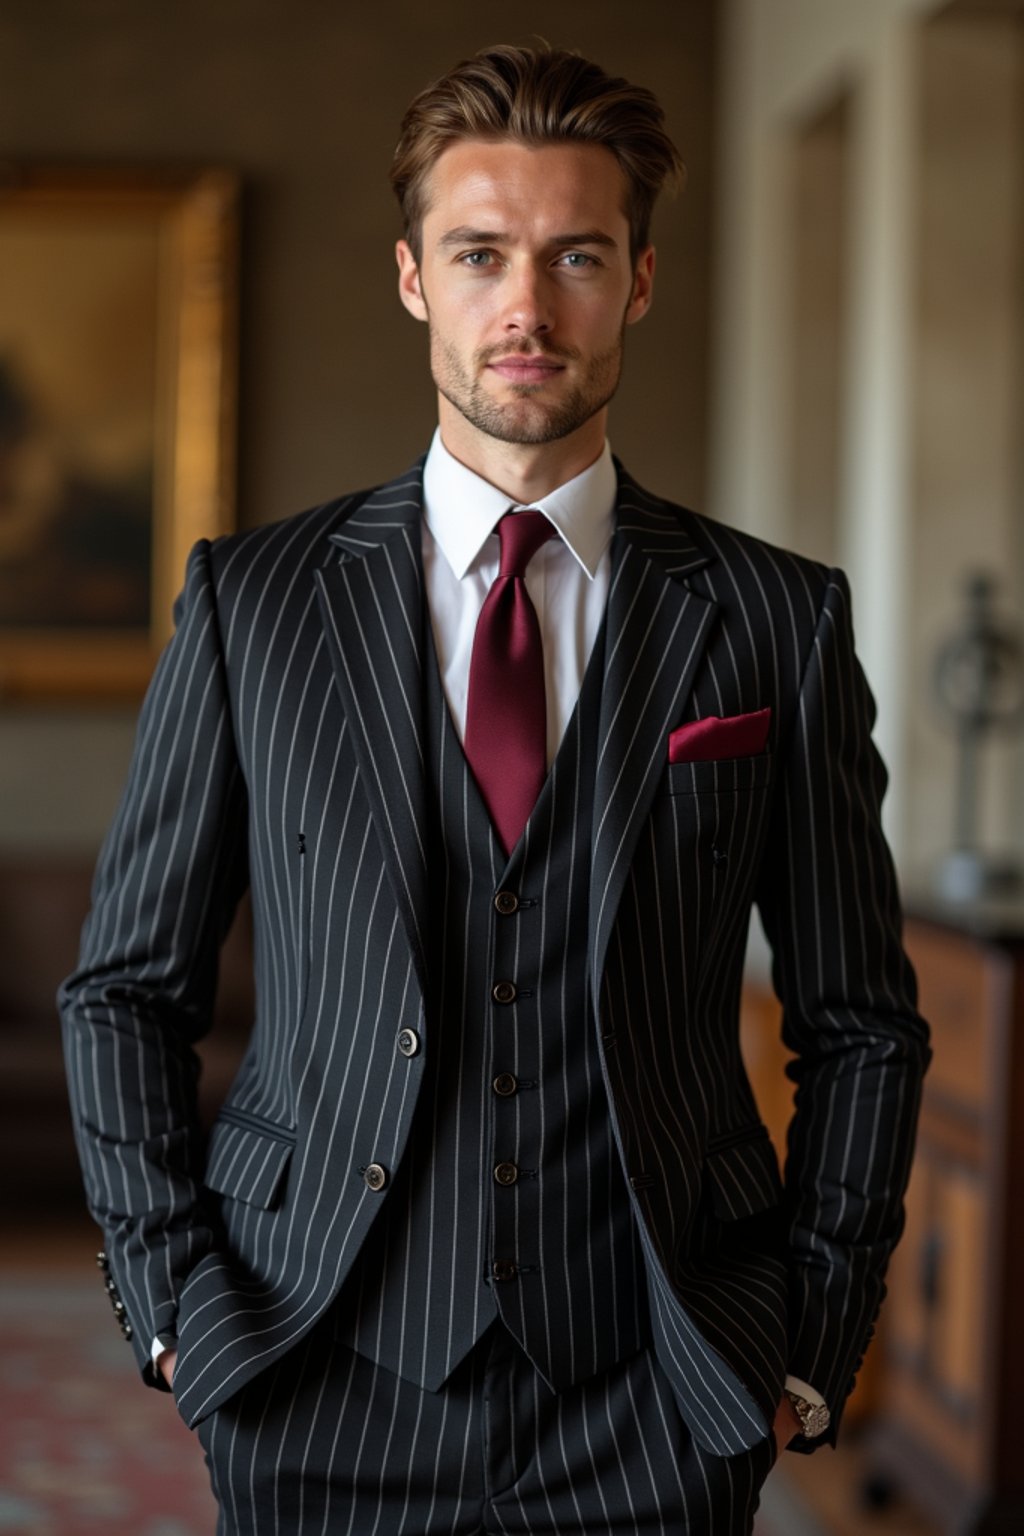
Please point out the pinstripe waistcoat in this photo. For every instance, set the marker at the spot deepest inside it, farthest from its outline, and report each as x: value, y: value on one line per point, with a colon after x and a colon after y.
x: 510, y: 1199
x: 281, y: 745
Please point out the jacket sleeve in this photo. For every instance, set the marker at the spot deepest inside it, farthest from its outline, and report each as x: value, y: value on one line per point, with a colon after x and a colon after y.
x: 830, y: 906
x: 169, y: 877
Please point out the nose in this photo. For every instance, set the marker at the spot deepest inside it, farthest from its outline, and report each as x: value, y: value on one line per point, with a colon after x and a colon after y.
x: 527, y: 302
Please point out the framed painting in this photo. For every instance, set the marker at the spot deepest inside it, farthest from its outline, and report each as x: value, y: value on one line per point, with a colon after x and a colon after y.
x: 118, y: 381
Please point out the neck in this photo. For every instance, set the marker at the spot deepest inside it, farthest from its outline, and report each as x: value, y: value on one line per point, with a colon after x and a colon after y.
x: 525, y: 472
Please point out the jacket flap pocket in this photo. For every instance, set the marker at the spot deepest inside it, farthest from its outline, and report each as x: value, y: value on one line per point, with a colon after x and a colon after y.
x: 247, y: 1164
x: 744, y: 1175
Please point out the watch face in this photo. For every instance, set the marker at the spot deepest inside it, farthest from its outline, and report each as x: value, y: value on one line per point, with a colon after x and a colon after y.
x: 814, y: 1417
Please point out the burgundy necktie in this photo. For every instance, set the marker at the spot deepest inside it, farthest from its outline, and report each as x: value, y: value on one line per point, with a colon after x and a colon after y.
x: 506, y: 711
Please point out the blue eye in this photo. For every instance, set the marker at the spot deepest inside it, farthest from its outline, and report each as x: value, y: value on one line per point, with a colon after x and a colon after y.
x: 476, y: 258
x: 578, y: 260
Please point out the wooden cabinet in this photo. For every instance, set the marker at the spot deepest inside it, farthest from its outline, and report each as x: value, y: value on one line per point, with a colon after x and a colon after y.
x: 950, y: 1402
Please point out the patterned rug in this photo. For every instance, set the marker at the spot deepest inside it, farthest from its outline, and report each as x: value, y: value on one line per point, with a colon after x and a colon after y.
x: 86, y: 1450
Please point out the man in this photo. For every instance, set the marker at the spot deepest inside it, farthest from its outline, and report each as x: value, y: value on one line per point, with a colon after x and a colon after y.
x: 489, y: 1235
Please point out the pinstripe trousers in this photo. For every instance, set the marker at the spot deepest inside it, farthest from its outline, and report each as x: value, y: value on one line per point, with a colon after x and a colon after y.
x: 326, y: 1443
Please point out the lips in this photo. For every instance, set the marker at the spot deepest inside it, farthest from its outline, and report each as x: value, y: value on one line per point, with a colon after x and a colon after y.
x: 526, y: 370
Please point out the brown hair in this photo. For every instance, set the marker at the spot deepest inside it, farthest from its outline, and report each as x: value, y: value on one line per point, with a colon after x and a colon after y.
x: 536, y: 97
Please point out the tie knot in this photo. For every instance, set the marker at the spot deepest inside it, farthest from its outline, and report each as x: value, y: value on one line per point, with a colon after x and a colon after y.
x: 521, y: 535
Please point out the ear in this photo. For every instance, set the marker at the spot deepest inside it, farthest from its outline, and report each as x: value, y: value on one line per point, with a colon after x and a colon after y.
x: 643, y: 286
x: 409, y: 290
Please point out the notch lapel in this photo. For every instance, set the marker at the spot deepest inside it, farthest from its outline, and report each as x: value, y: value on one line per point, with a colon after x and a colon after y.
x: 371, y: 603
x: 657, y: 628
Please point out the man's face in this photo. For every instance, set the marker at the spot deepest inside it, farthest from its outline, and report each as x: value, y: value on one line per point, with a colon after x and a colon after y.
x: 527, y: 284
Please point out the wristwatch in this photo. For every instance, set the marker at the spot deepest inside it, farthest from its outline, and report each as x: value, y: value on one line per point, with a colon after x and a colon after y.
x: 814, y: 1417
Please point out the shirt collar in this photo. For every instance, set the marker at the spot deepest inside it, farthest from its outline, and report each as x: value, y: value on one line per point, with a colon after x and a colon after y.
x: 462, y: 509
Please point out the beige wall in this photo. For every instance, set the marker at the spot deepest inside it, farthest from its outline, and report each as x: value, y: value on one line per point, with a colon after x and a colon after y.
x: 928, y: 389
x: 303, y: 99
x: 783, y: 62
x: 817, y: 283
x: 967, y: 506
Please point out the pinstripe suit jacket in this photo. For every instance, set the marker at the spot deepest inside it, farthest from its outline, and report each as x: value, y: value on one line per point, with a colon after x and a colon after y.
x: 280, y: 746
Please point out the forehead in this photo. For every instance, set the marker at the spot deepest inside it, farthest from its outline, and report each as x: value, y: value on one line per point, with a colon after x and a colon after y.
x: 499, y: 185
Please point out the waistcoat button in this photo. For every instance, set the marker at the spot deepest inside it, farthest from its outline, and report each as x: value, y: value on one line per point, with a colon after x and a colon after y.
x: 504, y: 992
x: 506, y: 902
x: 375, y: 1177
x: 504, y: 1084
x: 503, y: 1269
x: 506, y: 1173
x: 408, y: 1042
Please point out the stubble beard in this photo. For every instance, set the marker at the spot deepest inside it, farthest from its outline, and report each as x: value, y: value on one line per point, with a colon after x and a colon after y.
x: 527, y: 418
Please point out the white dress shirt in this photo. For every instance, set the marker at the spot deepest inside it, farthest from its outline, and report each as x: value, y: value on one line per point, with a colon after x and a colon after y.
x: 567, y: 579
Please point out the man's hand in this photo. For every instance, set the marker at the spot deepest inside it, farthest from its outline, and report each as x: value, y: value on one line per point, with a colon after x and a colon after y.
x: 165, y: 1365
x: 786, y: 1425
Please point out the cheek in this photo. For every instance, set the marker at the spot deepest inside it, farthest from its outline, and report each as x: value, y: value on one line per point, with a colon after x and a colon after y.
x: 457, y: 314
x: 597, y: 316
x: 604, y: 340
x: 449, y: 354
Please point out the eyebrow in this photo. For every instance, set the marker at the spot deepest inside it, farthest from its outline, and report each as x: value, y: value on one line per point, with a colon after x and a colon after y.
x: 464, y: 234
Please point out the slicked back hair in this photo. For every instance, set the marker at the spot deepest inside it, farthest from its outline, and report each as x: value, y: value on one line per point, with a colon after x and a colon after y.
x: 536, y: 96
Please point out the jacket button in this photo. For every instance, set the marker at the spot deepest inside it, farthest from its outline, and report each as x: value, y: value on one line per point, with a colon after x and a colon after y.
x: 505, y: 1085
x: 504, y: 992
x: 506, y: 1173
x: 506, y: 902
x: 408, y: 1042
x: 375, y: 1177
x: 503, y: 1269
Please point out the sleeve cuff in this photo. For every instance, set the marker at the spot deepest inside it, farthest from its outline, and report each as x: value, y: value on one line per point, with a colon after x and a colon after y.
x: 168, y: 1341
x: 804, y: 1389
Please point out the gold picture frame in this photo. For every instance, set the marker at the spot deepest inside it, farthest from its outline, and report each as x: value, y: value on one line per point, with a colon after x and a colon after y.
x: 118, y: 384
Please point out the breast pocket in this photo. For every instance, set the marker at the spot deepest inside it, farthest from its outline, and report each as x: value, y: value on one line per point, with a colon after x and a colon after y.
x: 248, y: 1158
x: 712, y: 818
x: 723, y: 776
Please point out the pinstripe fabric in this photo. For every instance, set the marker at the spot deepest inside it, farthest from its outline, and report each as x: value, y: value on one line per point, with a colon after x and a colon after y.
x: 423, y: 1291
x: 326, y: 1442
x: 797, y: 829
x: 282, y: 743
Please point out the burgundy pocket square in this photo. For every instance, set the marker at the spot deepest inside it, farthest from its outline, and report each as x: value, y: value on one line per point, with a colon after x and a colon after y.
x: 702, y: 741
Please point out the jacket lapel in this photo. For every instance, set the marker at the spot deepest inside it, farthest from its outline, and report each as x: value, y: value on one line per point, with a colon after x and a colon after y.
x: 657, y: 628
x: 371, y: 603
x: 372, y: 607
